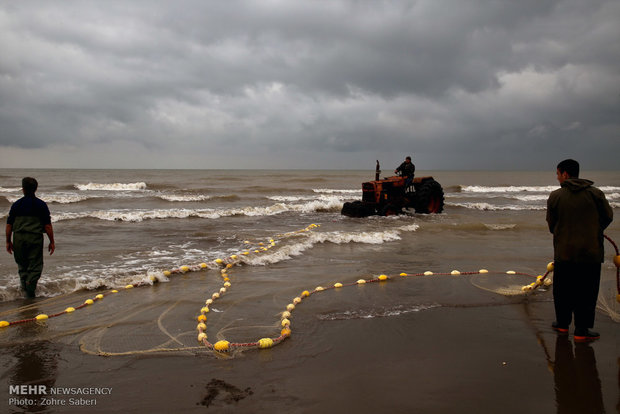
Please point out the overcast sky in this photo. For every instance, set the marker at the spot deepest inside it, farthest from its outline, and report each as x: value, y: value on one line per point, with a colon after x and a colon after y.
x: 461, y: 84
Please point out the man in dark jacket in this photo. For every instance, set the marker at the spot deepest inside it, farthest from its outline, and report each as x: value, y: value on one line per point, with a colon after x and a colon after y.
x: 577, y: 214
x: 28, y: 219
x: 407, y: 170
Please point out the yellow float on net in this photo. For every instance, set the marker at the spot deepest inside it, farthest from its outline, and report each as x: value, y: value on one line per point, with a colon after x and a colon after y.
x: 201, y: 318
x: 617, y: 260
x: 152, y: 278
x: 201, y: 326
x: 455, y: 273
x: 265, y: 343
x: 305, y: 294
x: 114, y: 291
x: 286, y: 315
x: 234, y: 257
x: 297, y: 300
x: 41, y: 317
x: 318, y: 288
x: 215, y: 295
x: 511, y: 272
x: 221, y: 346
x: 290, y: 307
x: 203, y: 265
x: 89, y: 301
x: 483, y: 271
x: 227, y: 284
x: 361, y: 282
x: 202, y: 336
x: 285, y: 322
x: 550, y: 266
x: 129, y: 287
x: 208, y: 301
x: 285, y: 332
x: 70, y: 309
x: 167, y: 273
x: 428, y: 273
x: 338, y: 285
x: 184, y: 269
x: 383, y: 277
x: 548, y: 282
x: 618, y: 298
x: 229, y: 265
x: 219, y: 261
x: 204, y: 310
x: 4, y: 324
x: 99, y: 296
x: 403, y: 274
x: 223, y: 290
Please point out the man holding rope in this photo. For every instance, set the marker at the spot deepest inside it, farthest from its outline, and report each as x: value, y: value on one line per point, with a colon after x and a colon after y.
x: 577, y: 215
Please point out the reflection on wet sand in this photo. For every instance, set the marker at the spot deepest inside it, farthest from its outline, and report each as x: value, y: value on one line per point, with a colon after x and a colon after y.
x: 36, y: 361
x: 577, y: 383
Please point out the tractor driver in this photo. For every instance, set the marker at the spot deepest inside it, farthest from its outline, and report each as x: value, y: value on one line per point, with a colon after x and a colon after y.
x: 407, y: 170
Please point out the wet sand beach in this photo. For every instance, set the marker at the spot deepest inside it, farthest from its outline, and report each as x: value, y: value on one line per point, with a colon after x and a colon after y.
x: 501, y: 358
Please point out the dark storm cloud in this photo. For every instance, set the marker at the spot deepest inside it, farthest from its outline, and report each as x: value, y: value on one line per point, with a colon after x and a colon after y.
x: 469, y: 84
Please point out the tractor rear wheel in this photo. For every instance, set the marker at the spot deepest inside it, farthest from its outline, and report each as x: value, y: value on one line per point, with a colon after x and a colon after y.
x: 429, y: 198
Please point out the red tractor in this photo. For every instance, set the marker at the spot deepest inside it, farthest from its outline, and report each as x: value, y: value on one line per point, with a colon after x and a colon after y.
x: 388, y: 196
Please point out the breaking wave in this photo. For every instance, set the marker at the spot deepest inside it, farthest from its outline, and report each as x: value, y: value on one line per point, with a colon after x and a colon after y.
x: 137, y: 215
x: 188, y: 197
x: 337, y: 237
x: 139, y: 186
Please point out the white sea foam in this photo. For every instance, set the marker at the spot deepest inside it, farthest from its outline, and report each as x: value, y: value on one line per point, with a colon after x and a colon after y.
x: 336, y: 191
x: 375, y: 313
x: 500, y: 226
x: 137, y: 215
x: 494, y: 207
x: 539, y: 197
x: 10, y: 190
x: 188, y: 197
x: 285, y: 199
x: 522, y: 189
x: 508, y: 189
x: 309, y: 240
x: 64, y: 198
x: 138, y: 186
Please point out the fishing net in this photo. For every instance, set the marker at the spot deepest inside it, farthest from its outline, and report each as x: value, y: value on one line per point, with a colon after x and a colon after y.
x: 510, y: 283
x: 172, y: 317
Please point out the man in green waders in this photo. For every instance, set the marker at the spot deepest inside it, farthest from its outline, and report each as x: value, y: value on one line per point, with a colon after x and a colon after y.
x: 28, y: 219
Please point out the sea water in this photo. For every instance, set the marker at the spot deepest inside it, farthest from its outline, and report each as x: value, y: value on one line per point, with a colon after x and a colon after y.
x: 115, y: 227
